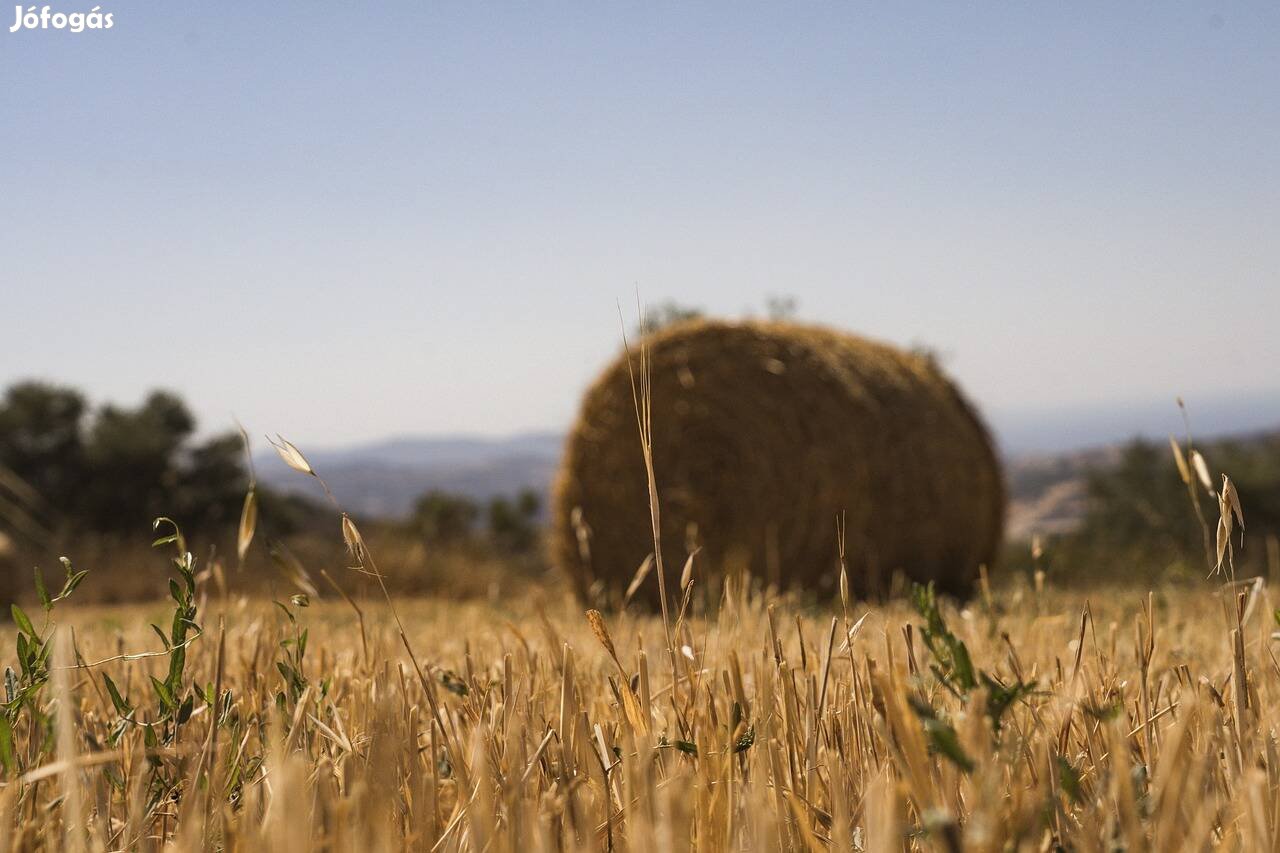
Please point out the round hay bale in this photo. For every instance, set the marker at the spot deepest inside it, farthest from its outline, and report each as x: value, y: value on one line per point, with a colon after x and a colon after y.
x: 763, y: 435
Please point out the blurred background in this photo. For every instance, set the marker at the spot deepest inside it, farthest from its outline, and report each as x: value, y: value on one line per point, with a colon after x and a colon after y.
x: 403, y: 239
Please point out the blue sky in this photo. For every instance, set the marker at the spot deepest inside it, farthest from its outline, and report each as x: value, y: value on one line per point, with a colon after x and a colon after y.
x: 343, y: 221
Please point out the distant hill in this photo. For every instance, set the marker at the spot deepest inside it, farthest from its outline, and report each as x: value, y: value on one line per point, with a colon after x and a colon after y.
x: 384, y: 478
x: 1044, y: 465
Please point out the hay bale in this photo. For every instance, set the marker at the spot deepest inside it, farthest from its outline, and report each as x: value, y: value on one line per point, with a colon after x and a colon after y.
x: 763, y: 433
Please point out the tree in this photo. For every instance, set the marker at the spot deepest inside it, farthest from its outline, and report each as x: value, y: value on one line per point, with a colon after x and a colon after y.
x: 666, y: 314
x: 445, y: 518
x: 41, y: 441
x: 68, y: 472
x: 513, y: 525
x: 212, y: 483
x: 1141, y: 498
x: 781, y: 307
x: 132, y: 461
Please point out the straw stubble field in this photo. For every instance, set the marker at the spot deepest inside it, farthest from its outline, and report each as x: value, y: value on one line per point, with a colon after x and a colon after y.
x: 1028, y: 719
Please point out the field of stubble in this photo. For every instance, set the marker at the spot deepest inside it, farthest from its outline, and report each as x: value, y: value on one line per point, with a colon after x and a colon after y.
x: 1026, y: 720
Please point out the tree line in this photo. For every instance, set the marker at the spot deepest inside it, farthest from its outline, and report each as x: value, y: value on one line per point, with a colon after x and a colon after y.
x: 70, y: 469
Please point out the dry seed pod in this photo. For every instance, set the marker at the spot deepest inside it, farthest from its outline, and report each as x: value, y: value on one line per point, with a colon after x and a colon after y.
x: 762, y: 434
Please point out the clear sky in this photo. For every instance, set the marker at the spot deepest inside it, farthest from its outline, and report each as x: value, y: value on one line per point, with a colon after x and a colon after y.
x: 343, y: 221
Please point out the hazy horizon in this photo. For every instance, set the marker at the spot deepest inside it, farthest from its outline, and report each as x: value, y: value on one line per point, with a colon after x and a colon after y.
x: 1019, y: 433
x: 344, y: 224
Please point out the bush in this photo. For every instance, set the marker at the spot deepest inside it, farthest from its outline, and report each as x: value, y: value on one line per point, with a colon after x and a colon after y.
x: 443, y: 518
x: 513, y: 524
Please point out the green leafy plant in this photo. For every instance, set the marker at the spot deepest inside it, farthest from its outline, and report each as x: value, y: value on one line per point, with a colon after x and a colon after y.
x: 953, y: 666
x: 294, y: 649
x: 23, y: 688
x: 942, y: 736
